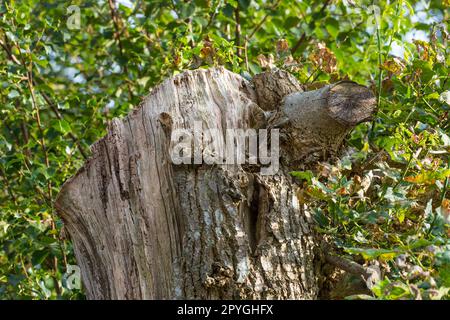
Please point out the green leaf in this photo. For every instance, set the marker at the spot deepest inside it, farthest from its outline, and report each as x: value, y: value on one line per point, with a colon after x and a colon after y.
x: 291, y: 22
x: 63, y: 126
x: 332, y: 27
x: 244, y: 4
x: 39, y: 256
x: 303, y: 175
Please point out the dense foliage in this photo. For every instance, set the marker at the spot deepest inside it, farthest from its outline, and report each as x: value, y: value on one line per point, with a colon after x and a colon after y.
x: 385, y: 203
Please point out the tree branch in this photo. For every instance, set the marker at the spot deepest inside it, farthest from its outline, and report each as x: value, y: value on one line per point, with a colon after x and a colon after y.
x: 346, y: 265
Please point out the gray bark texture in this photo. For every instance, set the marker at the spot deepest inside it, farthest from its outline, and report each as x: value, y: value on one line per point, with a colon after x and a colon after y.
x: 145, y: 228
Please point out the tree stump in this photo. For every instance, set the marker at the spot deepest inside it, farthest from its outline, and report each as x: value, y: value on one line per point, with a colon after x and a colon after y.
x: 143, y: 227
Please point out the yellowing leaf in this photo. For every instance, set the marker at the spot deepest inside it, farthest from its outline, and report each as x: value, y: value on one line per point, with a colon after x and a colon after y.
x: 388, y: 256
x: 428, y: 177
x: 445, y: 209
x: 282, y: 45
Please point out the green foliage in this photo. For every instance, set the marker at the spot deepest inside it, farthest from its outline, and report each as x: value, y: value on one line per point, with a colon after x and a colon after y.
x: 388, y: 199
x: 61, y: 83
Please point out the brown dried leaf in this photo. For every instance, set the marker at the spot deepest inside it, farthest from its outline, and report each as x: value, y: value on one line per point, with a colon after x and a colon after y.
x: 282, y: 45
x: 324, y: 59
x: 445, y: 209
x: 266, y: 62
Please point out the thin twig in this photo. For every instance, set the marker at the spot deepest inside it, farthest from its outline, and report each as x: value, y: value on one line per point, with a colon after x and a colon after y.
x: 304, y: 37
x: 246, y: 55
x: 259, y: 25
x: 298, y: 43
x: 6, y: 47
x: 8, y: 52
x: 213, y: 15
x: 237, y: 31
x: 115, y: 19
x: 30, y: 83
x: 346, y: 265
x: 60, y: 117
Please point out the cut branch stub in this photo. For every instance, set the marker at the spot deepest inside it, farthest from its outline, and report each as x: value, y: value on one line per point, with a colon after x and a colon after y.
x: 315, y: 123
x: 350, y: 103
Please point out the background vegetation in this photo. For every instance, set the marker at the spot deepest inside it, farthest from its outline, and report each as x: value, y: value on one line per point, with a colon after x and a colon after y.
x: 385, y: 204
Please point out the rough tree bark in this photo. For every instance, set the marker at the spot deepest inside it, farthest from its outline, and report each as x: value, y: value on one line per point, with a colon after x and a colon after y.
x: 144, y: 228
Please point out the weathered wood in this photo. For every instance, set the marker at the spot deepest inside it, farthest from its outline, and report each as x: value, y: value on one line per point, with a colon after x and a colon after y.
x: 144, y: 228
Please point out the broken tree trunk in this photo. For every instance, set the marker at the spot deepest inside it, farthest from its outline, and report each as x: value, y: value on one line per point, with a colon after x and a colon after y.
x: 143, y: 227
